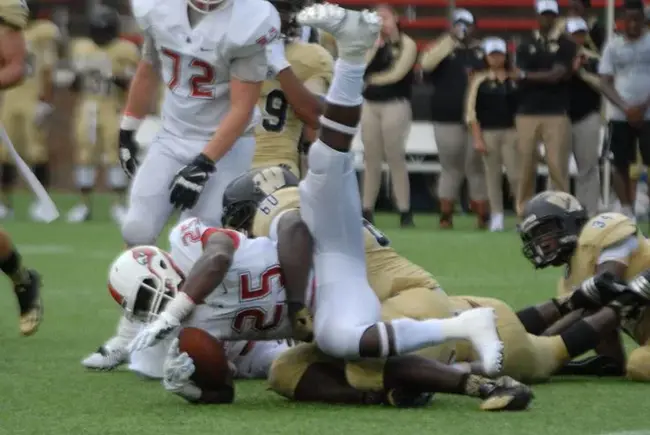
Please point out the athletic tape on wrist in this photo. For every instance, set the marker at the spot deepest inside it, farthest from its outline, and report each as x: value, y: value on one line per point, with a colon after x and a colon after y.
x: 129, y: 122
x: 181, y: 306
x: 346, y: 129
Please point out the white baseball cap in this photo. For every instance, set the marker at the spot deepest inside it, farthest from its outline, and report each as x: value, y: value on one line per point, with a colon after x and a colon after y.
x: 543, y: 6
x: 463, y: 15
x: 494, y: 45
x: 576, y: 24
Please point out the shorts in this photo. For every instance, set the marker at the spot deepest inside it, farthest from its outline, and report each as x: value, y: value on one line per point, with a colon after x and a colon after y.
x: 622, y: 141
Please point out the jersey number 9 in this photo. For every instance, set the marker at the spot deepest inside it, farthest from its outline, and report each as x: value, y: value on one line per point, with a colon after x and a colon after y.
x: 275, y: 111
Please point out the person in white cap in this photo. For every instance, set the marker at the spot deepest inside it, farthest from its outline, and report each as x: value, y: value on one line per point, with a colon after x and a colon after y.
x: 446, y: 65
x: 545, y: 63
x: 490, y: 114
x: 625, y: 71
x: 595, y: 36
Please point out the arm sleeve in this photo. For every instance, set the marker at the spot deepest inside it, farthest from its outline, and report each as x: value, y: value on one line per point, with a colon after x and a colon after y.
x: 250, y: 69
x: 402, y: 66
x: 619, y: 252
x: 437, y: 53
x: 472, y: 96
x: 149, y: 51
x: 606, y: 66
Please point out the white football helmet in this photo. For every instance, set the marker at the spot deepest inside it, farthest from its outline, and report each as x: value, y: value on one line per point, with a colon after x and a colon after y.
x: 143, y: 280
x: 204, y: 6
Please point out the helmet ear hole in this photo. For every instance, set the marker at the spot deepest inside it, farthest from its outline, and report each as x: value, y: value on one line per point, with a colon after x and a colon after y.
x: 163, y: 264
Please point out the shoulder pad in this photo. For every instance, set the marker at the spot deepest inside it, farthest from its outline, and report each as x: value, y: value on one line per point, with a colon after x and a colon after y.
x: 309, y: 60
x: 14, y: 13
x: 263, y: 26
x: 44, y: 30
x: 606, y: 229
x: 140, y: 10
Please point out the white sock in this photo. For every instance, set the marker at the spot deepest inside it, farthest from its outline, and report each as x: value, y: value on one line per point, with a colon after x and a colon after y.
x: 412, y: 335
x: 347, y: 84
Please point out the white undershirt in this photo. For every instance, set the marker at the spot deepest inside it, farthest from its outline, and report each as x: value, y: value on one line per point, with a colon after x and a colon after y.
x: 619, y: 251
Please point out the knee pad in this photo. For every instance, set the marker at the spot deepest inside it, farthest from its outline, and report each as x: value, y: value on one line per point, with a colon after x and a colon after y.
x: 638, y: 364
x: 289, y: 367
x: 85, y: 177
x: 116, y: 179
x: 137, y: 230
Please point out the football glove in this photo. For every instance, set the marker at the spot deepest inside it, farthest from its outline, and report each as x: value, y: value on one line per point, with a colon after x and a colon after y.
x: 597, y: 291
x: 188, y: 183
x: 177, y: 370
x: 128, y: 152
x: 598, y: 365
x: 302, y: 323
x: 157, y: 330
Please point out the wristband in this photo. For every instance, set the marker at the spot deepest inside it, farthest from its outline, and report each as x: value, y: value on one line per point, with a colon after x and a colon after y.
x: 129, y: 122
x: 181, y: 306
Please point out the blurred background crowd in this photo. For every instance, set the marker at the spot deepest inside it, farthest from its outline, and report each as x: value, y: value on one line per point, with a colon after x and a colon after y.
x: 469, y: 107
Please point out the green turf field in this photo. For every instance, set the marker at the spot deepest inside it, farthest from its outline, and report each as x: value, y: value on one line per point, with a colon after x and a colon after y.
x: 44, y: 390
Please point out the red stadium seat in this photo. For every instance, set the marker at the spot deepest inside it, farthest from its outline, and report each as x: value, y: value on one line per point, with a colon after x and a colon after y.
x: 495, y: 24
x: 467, y: 3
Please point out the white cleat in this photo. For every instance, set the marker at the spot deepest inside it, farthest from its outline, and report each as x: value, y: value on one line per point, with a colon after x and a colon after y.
x: 355, y: 31
x: 79, y: 213
x: 105, y: 359
x: 482, y: 332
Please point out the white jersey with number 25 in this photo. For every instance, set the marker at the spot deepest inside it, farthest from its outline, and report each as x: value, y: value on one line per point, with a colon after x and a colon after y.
x: 250, y: 302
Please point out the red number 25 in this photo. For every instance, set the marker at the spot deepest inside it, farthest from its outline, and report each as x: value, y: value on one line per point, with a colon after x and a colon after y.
x: 256, y: 318
x: 200, y: 81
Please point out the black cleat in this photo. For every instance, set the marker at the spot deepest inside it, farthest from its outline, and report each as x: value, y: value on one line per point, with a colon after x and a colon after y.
x: 505, y: 394
x: 29, y: 302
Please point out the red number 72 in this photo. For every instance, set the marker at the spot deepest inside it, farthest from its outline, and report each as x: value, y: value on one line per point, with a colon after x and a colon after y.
x: 199, y: 82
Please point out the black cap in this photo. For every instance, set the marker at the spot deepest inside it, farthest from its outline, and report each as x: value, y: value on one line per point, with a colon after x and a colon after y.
x: 633, y: 4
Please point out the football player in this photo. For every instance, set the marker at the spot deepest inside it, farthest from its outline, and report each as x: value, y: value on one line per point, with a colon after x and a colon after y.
x: 278, y: 134
x: 104, y: 65
x: 13, y: 55
x: 556, y: 231
x: 27, y: 108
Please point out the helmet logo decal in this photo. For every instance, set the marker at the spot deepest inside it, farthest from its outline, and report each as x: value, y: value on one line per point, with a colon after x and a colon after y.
x: 143, y: 255
x: 269, y: 180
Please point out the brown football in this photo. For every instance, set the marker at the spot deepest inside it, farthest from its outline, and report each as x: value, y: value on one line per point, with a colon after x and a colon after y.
x: 210, y: 361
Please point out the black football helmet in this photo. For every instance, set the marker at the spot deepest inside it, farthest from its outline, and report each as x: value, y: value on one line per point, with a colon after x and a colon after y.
x: 288, y: 10
x: 245, y: 193
x: 550, y: 228
x: 104, y: 24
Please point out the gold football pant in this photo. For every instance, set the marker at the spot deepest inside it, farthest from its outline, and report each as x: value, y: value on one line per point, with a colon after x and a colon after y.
x: 18, y: 120
x: 527, y: 358
x: 554, y: 132
x: 97, y: 136
x: 418, y: 303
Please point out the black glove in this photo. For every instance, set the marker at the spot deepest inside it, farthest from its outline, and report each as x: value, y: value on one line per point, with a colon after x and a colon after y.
x: 597, y: 291
x: 128, y: 152
x: 188, y: 183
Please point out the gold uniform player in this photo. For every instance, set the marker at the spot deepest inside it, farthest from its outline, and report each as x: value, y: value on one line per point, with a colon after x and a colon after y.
x: 278, y: 135
x: 594, y: 252
x: 26, y: 283
x: 104, y: 65
x: 26, y: 109
x: 258, y: 199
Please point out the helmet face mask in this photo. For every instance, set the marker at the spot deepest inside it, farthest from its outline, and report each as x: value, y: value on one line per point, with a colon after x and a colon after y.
x: 143, y: 280
x: 550, y: 228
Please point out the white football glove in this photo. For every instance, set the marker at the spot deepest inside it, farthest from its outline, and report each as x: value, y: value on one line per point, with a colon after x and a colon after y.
x: 177, y: 369
x: 276, y: 57
x: 43, y: 112
x: 157, y: 330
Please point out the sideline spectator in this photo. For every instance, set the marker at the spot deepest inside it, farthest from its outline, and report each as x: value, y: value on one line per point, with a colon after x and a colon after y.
x: 586, y: 120
x: 545, y: 62
x: 386, y: 116
x: 595, y: 34
x: 447, y: 64
x: 490, y: 114
x: 625, y: 70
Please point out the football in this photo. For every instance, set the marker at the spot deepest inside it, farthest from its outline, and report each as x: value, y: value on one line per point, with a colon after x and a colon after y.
x: 210, y: 361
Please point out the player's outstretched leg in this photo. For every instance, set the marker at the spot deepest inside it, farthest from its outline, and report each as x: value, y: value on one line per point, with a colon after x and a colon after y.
x: 27, y: 285
x: 113, y: 353
x: 347, y: 322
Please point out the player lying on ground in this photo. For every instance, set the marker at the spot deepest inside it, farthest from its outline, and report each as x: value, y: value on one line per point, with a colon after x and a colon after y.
x: 153, y: 269
x: 26, y: 282
x: 556, y: 232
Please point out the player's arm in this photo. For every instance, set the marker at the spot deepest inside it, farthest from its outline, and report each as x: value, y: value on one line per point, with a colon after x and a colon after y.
x: 295, y: 253
x: 307, y: 106
x: 12, y: 55
x: 144, y: 85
